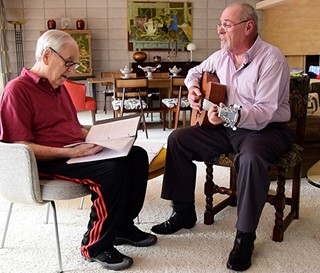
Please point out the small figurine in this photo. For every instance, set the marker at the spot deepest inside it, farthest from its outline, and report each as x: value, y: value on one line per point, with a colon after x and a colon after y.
x: 126, y: 71
x: 174, y: 70
x: 149, y: 70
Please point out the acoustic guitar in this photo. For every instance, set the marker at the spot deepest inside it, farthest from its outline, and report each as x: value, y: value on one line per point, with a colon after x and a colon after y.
x: 213, y: 92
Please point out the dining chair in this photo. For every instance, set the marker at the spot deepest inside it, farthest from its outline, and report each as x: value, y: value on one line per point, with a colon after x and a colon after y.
x: 154, y: 94
x: 20, y: 183
x: 286, y: 205
x: 109, y: 90
x: 177, y: 101
x: 131, y: 97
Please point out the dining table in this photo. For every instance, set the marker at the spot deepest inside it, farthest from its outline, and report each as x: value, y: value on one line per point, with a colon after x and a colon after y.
x: 163, y: 84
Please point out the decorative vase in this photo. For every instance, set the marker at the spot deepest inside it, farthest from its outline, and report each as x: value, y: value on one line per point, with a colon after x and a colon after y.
x: 149, y: 69
x: 139, y: 56
x: 80, y: 24
x: 174, y: 70
x: 51, y: 24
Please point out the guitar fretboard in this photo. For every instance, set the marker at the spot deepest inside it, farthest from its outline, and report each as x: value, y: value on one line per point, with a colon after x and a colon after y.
x: 206, y: 104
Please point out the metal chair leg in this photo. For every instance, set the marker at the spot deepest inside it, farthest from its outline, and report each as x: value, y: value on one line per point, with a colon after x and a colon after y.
x: 57, y: 234
x: 47, y: 214
x: 6, y: 226
x: 81, y: 203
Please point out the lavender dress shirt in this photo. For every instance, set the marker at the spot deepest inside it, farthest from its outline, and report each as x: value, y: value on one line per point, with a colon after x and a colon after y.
x: 260, y: 86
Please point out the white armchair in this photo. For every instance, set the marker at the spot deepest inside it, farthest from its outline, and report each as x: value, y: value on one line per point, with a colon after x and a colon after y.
x: 20, y: 183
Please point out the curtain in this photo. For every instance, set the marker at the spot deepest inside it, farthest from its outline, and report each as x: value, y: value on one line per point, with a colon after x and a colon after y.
x: 4, y: 62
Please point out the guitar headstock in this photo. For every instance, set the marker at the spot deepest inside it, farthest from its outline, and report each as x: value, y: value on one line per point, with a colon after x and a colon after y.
x: 229, y: 115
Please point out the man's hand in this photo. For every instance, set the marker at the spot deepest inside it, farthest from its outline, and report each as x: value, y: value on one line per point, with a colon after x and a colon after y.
x: 194, y: 97
x: 213, y: 114
x: 84, y: 150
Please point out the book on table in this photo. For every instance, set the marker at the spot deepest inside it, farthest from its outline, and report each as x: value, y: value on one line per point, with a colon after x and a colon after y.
x: 116, y: 135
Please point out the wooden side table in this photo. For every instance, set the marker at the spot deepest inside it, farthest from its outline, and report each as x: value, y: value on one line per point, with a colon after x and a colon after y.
x: 313, y: 175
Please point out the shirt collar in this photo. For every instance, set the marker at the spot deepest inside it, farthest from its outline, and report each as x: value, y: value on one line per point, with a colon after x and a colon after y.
x: 253, y: 49
x: 41, y: 81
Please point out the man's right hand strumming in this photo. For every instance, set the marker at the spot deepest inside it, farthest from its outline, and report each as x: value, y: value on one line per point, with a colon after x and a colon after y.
x: 194, y: 97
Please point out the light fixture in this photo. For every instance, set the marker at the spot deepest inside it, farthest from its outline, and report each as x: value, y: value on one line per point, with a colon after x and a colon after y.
x: 19, y: 42
x: 191, y: 47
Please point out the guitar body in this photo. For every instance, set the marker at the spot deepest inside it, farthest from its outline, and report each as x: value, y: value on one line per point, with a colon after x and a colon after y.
x: 212, y: 90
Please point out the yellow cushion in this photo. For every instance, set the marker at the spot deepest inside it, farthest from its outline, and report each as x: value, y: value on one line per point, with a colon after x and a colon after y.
x: 157, y: 163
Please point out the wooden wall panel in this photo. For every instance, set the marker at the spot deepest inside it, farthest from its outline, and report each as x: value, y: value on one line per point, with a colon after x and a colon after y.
x: 294, y: 27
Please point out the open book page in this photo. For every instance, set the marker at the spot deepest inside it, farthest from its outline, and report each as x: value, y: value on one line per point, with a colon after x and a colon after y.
x: 104, y: 154
x: 121, y: 128
x: 116, y: 135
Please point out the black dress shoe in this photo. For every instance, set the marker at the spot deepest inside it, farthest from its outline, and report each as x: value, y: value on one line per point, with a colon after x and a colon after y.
x: 240, y: 255
x: 176, y: 222
x: 135, y: 237
x: 112, y: 259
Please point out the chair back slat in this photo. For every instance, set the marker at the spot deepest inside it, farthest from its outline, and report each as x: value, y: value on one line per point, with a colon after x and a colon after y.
x: 160, y: 75
x: 177, y: 84
x: 131, y: 83
x: 299, y: 91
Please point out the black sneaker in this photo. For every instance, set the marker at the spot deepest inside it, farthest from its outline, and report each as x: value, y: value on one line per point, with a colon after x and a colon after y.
x: 112, y: 259
x: 135, y: 237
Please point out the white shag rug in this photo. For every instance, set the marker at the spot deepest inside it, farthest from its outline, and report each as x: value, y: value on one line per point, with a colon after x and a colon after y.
x: 31, y: 248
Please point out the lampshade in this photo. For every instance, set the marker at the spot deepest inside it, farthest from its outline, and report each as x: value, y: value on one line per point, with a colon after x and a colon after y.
x: 191, y: 47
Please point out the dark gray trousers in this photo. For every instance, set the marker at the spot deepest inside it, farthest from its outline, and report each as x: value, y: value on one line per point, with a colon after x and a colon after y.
x: 256, y: 150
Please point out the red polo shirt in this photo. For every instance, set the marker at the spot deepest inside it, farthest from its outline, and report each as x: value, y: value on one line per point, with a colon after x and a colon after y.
x: 31, y: 110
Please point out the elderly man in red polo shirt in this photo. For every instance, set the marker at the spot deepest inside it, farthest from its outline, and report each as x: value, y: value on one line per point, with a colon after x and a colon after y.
x: 36, y: 110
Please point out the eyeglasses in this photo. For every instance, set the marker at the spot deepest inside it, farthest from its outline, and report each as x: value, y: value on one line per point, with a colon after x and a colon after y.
x: 66, y: 63
x: 226, y: 27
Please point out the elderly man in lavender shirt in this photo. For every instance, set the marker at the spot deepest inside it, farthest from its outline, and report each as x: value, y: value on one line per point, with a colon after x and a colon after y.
x: 257, y: 78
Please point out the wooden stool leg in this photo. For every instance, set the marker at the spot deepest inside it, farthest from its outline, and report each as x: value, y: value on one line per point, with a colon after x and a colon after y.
x: 208, y: 191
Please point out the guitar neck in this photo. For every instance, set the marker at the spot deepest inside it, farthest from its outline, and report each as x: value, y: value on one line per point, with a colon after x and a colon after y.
x: 206, y: 104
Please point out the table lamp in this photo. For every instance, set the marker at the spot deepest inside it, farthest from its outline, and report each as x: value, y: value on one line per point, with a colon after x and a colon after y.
x: 191, y: 47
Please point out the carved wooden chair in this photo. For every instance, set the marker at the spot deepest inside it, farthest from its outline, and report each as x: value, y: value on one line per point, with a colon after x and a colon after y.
x: 287, y: 166
x: 177, y: 100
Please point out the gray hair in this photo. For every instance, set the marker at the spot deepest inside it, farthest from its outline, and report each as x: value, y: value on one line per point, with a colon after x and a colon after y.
x: 247, y: 13
x: 53, y: 38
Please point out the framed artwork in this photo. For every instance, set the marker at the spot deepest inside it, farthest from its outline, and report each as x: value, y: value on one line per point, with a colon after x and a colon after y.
x: 159, y: 25
x: 83, y: 39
